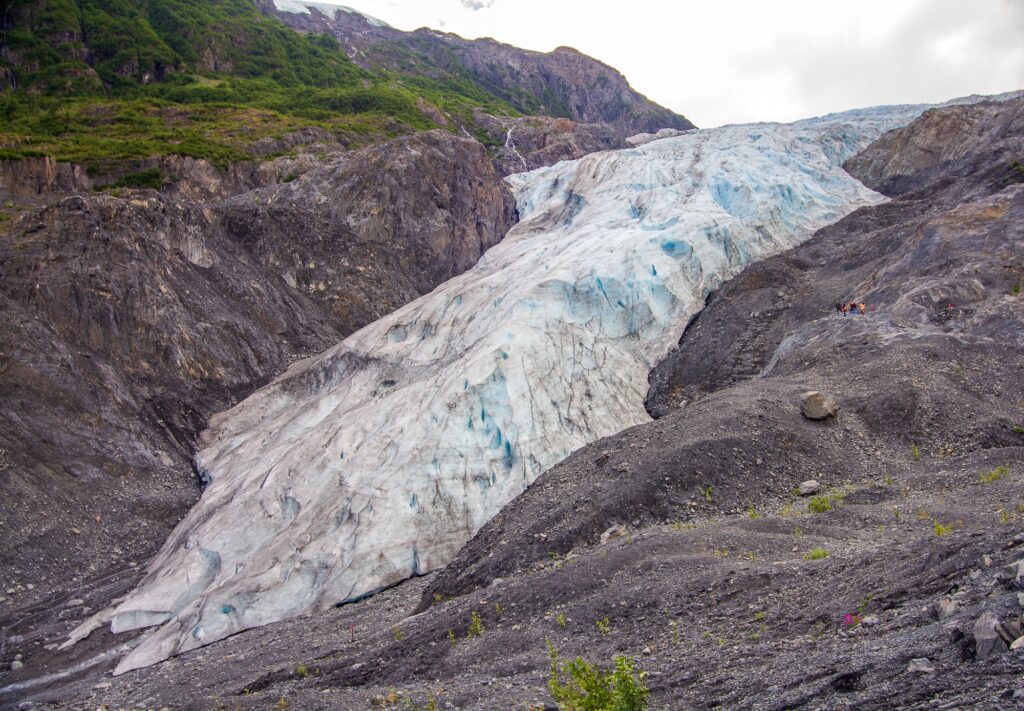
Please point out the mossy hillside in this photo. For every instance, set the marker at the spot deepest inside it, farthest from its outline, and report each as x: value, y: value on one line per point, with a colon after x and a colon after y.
x: 97, y: 82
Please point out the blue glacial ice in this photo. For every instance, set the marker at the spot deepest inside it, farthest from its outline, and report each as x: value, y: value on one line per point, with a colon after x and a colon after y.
x: 378, y: 459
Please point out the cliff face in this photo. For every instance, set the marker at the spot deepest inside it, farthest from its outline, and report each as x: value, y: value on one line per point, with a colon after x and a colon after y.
x: 127, y: 321
x: 528, y: 143
x: 950, y: 143
x: 564, y: 83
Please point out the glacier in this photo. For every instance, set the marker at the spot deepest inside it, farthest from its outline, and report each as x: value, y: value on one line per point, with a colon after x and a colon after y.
x: 378, y: 459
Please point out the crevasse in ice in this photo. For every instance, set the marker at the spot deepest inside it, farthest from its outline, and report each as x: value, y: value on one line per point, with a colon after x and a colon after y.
x: 379, y: 458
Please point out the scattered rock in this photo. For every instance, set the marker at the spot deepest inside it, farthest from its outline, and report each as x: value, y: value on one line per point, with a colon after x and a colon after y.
x: 102, y: 685
x: 870, y: 621
x: 817, y: 406
x: 613, y: 532
x: 811, y: 486
x: 946, y: 607
x: 17, y: 664
x: 987, y: 639
x: 1014, y: 573
x: 1017, y: 644
x: 921, y: 665
x: 1020, y: 599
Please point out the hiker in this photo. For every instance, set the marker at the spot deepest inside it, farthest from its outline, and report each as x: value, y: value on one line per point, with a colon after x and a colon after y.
x: 853, y: 308
x: 839, y: 308
x: 872, y: 308
x: 863, y: 309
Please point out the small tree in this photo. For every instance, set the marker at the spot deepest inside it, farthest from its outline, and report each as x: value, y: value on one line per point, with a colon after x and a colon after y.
x: 576, y: 686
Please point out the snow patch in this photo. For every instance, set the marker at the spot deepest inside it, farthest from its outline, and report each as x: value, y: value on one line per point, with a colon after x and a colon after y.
x: 328, y: 9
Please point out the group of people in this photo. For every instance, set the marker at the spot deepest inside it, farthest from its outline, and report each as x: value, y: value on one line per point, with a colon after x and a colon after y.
x: 853, y: 307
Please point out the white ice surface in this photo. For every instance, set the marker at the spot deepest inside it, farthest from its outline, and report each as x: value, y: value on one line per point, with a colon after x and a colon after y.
x: 379, y: 458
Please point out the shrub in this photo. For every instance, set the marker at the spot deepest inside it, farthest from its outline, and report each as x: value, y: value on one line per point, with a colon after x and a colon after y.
x: 152, y: 179
x: 476, y: 626
x: 941, y: 530
x: 816, y: 554
x: 819, y: 504
x: 577, y: 686
x: 915, y: 451
x: 603, y: 626
x: 994, y: 475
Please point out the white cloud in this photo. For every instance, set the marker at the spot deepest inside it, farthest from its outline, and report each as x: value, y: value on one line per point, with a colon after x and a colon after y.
x: 728, y: 61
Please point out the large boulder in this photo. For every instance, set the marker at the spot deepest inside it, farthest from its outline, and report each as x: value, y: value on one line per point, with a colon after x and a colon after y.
x: 989, y: 637
x: 817, y: 406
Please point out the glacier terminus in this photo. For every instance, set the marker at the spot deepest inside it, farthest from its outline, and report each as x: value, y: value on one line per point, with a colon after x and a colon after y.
x: 378, y: 459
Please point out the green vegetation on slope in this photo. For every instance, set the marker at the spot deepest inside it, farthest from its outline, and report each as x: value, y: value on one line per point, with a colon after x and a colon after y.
x: 98, y: 81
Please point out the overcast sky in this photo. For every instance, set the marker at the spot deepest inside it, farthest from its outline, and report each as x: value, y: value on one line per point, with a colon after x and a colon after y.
x: 729, y: 61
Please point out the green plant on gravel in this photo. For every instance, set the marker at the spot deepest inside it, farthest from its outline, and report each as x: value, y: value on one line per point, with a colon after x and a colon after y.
x: 560, y: 620
x: 674, y: 626
x: 476, y: 626
x: 816, y: 553
x: 301, y: 671
x: 1017, y: 429
x: 759, y: 616
x: 575, y: 685
x: 819, y: 504
x: 941, y: 530
x: 709, y: 491
x: 498, y: 609
x: 451, y: 638
x: 603, y: 626
x: 994, y: 475
x: 752, y: 513
x: 915, y: 451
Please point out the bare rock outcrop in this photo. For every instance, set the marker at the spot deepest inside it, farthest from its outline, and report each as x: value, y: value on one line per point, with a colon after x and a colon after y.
x: 126, y: 321
x: 521, y: 144
x: 990, y: 134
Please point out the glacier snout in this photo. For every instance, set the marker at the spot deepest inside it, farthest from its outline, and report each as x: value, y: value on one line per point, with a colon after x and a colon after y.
x: 378, y: 459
